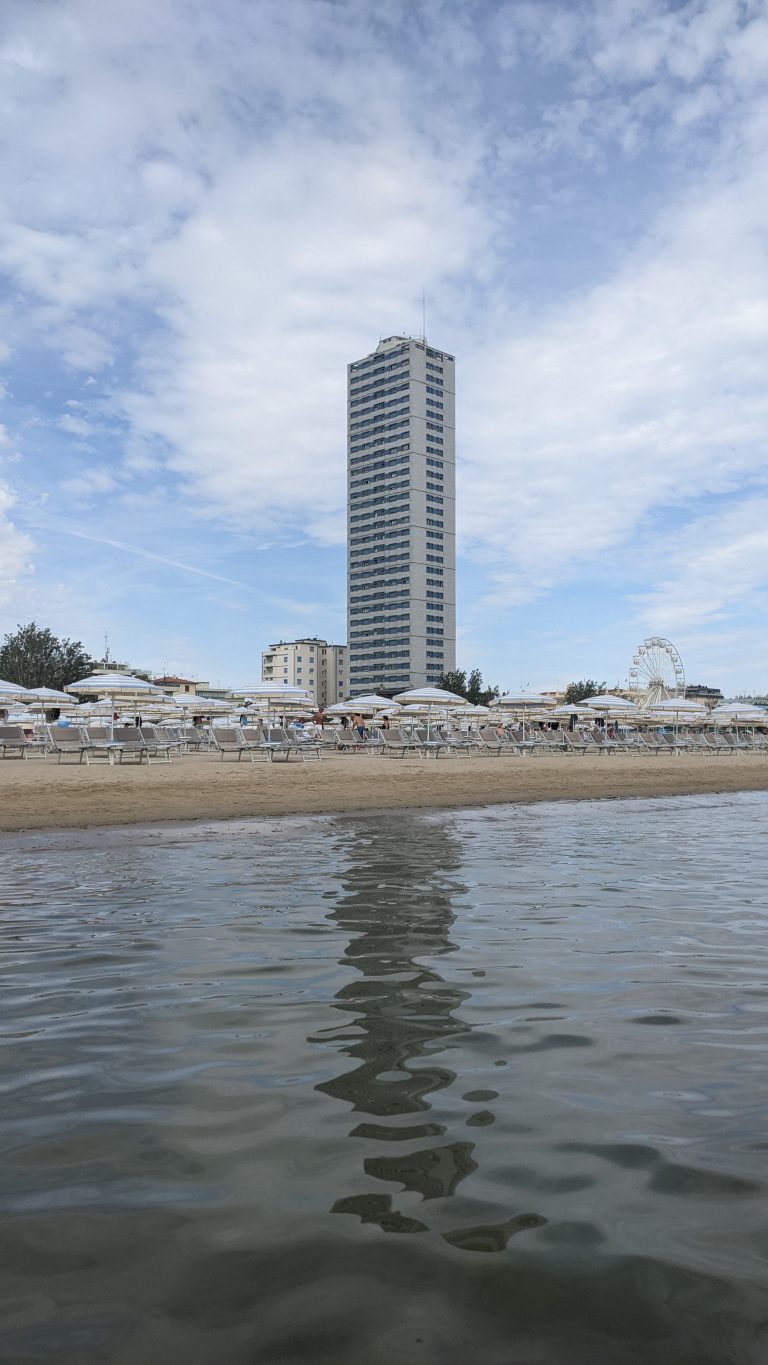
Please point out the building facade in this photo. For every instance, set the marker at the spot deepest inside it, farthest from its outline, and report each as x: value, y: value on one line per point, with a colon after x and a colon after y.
x: 401, y: 521
x: 314, y: 664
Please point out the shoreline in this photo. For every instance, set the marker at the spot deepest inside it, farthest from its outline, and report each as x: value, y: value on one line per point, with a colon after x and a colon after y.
x: 39, y: 795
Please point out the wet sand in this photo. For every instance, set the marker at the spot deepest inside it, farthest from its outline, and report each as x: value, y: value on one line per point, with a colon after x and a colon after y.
x: 36, y: 794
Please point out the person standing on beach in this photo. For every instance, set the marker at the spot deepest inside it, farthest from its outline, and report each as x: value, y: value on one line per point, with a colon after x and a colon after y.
x: 358, y: 724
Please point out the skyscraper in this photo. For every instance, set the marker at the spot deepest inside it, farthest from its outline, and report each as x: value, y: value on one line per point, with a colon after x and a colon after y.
x: 401, y: 543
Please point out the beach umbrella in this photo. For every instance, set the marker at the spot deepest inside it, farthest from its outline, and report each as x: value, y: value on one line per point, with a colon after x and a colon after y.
x: 432, y: 698
x: 740, y: 713
x: 116, y: 687
x: 276, y: 698
x: 200, y: 706
x: 677, y: 709
x: 471, y: 712
x: 12, y: 692
x: 606, y: 701
x: 369, y: 705
x: 524, y: 702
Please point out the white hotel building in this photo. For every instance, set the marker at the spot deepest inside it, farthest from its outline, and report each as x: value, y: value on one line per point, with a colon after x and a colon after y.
x: 401, y: 543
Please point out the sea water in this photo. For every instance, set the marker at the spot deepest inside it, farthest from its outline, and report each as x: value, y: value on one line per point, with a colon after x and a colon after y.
x: 399, y: 1089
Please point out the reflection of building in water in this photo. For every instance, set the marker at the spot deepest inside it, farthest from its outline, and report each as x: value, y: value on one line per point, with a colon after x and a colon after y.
x: 397, y: 909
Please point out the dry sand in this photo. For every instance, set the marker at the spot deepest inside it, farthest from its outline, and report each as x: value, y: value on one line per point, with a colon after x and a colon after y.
x: 37, y: 794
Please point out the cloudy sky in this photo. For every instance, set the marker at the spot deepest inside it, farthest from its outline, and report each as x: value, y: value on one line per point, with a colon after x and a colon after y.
x: 209, y: 209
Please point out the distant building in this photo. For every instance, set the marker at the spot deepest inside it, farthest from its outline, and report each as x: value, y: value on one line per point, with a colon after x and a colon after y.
x: 401, y: 558
x: 319, y: 667
x: 171, y: 685
x: 698, y: 692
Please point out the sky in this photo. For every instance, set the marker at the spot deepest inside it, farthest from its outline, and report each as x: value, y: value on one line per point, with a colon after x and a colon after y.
x: 209, y: 210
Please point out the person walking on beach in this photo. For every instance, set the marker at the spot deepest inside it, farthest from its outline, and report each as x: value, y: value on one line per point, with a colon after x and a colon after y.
x: 358, y: 724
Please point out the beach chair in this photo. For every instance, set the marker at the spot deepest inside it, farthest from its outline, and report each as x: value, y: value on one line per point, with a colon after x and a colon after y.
x: 102, y: 744
x: 397, y: 746
x: 573, y: 742
x: 69, y: 740
x: 489, y: 743
x: 432, y: 742
x: 349, y: 742
x: 127, y: 742
x: 462, y: 746
x: 230, y: 740
x: 307, y: 746
x: 158, y: 747
x: 14, y: 741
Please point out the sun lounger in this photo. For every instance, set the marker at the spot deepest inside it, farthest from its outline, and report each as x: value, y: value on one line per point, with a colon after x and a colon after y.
x: 490, y: 743
x: 14, y: 741
x: 306, y: 745
x: 68, y: 740
x: 350, y: 742
x: 574, y: 742
x: 127, y: 742
x: 158, y: 747
x: 230, y: 740
x: 432, y: 742
x: 397, y: 746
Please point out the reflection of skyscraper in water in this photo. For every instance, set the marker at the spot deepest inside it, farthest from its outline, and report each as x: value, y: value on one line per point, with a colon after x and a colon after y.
x: 397, y: 910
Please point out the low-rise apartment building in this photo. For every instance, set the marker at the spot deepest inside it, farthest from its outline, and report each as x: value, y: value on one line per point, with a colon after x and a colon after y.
x: 320, y: 667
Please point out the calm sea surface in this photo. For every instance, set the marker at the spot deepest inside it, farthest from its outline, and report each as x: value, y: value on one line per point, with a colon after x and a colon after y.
x: 408, y: 1089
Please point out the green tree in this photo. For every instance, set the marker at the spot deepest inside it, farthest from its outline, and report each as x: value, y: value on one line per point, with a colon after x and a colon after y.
x: 470, y: 686
x: 33, y: 657
x: 579, y: 691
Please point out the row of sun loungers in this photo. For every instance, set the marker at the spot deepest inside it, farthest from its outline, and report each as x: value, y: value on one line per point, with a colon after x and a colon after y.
x: 90, y: 744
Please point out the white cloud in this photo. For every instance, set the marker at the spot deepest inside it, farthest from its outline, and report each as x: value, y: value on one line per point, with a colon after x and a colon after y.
x: 16, y: 550
x: 716, y: 563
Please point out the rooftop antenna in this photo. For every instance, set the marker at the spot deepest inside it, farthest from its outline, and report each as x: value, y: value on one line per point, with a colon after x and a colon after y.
x: 106, y: 648
x: 423, y: 316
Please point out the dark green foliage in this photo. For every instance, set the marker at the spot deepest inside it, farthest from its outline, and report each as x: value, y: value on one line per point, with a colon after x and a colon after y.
x: 579, y: 691
x: 469, y: 686
x: 33, y: 657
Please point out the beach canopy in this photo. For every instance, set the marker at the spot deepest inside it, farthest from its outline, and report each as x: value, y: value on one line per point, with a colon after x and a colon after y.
x: 742, y: 712
x: 573, y: 709
x: 115, y: 685
x: 275, y: 691
x: 51, y: 697
x: 430, y: 696
x: 367, y: 705
x: 201, y: 706
x: 678, y: 706
x: 11, y: 693
x: 608, y: 702
x: 523, y: 699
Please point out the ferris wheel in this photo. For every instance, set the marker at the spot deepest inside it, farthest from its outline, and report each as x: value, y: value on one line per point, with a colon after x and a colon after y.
x: 657, y: 671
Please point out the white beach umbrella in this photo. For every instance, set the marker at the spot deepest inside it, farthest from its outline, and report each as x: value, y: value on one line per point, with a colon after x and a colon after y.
x: 606, y: 701
x: 524, y: 702
x: 10, y: 693
x: 432, y: 698
x: 370, y: 705
x: 739, y: 713
x: 200, y: 706
x: 116, y: 687
x: 677, y: 709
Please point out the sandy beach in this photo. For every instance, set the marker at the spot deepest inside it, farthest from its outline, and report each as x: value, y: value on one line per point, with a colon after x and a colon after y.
x: 37, y: 795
